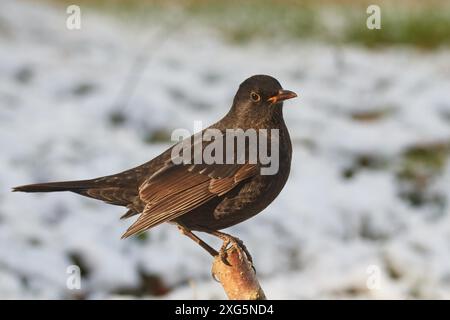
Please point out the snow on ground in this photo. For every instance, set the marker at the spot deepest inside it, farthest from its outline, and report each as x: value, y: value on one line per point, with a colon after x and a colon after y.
x: 340, y: 228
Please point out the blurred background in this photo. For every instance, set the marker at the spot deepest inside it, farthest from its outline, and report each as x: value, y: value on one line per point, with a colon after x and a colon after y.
x: 365, y: 212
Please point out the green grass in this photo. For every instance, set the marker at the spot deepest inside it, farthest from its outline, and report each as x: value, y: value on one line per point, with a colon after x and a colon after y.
x: 426, y: 28
x: 266, y: 20
x: 424, y: 162
x: 422, y: 24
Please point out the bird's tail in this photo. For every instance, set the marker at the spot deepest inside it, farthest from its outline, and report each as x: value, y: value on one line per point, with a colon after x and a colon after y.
x: 74, y: 186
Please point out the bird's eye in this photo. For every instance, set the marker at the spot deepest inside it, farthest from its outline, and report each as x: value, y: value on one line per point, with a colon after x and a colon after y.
x: 255, y: 97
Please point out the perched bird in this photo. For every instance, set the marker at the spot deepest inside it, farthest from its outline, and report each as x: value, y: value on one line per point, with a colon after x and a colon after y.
x: 199, y: 196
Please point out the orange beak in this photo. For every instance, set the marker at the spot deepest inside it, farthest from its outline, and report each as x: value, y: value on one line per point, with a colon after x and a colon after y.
x: 281, y: 96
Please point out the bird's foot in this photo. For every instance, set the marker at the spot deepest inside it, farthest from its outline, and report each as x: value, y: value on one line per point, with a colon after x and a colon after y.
x: 233, y: 241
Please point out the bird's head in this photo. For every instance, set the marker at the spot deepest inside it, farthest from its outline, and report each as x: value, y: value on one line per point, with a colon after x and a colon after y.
x: 260, y: 95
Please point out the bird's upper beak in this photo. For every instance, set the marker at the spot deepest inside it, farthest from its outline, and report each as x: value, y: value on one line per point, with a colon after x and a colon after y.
x: 281, y: 96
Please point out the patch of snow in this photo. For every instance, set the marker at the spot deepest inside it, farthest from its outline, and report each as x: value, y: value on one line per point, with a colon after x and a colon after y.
x: 59, y: 88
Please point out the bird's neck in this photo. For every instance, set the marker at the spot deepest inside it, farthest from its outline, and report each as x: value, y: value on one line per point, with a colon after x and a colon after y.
x: 270, y: 118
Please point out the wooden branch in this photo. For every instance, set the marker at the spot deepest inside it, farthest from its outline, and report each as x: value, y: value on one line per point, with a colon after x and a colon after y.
x: 238, y: 279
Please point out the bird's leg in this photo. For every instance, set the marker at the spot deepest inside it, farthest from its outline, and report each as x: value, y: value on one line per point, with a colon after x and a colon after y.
x: 199, y: 241
x: 227, y: 239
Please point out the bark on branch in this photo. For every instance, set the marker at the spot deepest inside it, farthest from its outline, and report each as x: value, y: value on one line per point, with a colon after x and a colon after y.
x: 238, y: 279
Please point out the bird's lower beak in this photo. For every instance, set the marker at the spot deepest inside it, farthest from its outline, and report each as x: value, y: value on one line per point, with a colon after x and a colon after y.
x: 281, y: 96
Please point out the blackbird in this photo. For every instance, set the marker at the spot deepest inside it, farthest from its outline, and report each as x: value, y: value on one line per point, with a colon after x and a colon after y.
x: 199, y: 196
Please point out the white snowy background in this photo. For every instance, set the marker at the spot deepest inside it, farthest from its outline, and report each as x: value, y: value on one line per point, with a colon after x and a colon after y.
x: 363, y: 215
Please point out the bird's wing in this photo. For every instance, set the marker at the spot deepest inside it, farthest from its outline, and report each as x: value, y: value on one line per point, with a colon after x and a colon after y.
x: 179, y: 189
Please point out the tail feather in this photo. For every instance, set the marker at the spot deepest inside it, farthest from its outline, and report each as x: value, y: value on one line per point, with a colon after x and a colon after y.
x: 74, y: 186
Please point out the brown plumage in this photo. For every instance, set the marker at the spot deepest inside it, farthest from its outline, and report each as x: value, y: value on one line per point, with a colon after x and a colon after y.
x: 202, y: 197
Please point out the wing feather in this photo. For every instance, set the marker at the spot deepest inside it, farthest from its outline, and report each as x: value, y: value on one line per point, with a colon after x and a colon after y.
x: 182, y: 188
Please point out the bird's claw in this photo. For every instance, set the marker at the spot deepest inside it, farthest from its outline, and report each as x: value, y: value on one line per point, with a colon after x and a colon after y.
x: 244, y: 248
x: 223, y: 252
x: 227, y: 240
